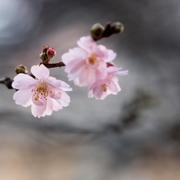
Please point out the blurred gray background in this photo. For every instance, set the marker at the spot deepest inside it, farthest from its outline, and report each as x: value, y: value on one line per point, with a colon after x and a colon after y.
x: 110, y: 136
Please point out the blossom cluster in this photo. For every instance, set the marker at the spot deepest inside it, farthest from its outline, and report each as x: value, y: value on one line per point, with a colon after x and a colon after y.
x: 88, y: 65
x: 91, y: 65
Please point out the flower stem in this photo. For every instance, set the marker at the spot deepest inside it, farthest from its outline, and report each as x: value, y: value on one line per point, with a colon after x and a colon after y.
x: 7, y: 82
x: 54, y: 65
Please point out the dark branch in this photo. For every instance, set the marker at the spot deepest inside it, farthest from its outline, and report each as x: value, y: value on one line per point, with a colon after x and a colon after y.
x: 7, y: 82
x: 54, y: 65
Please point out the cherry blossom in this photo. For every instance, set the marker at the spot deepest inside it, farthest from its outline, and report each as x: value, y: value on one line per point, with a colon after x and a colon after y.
x: 41, y: 91
x: 108, y: 85
x: 87, y: 62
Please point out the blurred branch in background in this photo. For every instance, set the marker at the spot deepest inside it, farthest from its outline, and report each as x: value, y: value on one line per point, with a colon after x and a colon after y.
x: 132, y: 110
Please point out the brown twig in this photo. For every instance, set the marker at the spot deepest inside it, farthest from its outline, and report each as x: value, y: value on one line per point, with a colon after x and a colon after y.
x: 54, y: 65
x: 7, y: 82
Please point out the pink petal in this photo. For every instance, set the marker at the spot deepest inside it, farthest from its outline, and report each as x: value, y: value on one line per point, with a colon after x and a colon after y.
x: 56, y: 93
x: 123, y: 73
x: 114, y: 87
x: 52, y: 105
x: 23, y: 81
x: 87, y: 43
x: 56, y: 105
x: 38, y: 111
x: 103, y: 96
x: 101, y: 71
x: 107, y: 55
x: 75, y: 54
x: 114, y: 71
x: 64, y: 99
x: 40, y: 71
x: 58, y: 84
x: 75, y: 72
x: 23, y: 97
x: 100, y: 95
x: 91, y: 76
x: 87, y: 77
x: 65, y: 87
x: 74, y: 66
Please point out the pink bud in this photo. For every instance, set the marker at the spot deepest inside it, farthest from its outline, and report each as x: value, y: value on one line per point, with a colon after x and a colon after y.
x: 51, y: 52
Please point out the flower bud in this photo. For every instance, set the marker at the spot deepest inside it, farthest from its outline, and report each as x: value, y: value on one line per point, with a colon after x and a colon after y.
x: 45, y: 49
x: 21, y: 69
x: 117, y: 27
x: 51, y: 52
x: 46, y: 54
x: 44, y: 57
x: 97, y: 31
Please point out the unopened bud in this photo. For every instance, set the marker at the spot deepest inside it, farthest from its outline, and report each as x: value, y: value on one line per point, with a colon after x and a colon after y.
x: 51, y: 52
x: 97, y: 31
x: 117, y: 27
x: 45, y: 49
x: 46, y: 54
x: 21, y: 69
x: 44, y: 57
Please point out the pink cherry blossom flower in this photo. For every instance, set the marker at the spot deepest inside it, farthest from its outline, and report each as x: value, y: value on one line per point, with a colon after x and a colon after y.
x: 43, y: 93
x: 109, y: 85
x: 87, y: 62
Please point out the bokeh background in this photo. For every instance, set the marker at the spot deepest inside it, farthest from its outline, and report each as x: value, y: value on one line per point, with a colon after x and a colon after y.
x: 134, y: 135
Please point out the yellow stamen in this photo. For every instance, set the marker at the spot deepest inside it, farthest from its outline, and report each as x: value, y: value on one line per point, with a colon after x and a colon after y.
x: 92, y: 59
x: 41, y: 91
x: 104, y: 87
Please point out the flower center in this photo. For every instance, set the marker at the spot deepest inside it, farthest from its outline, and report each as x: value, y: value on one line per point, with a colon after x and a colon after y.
x: 40, y: 93
x: 104, y: 87
x: 92, y: 59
